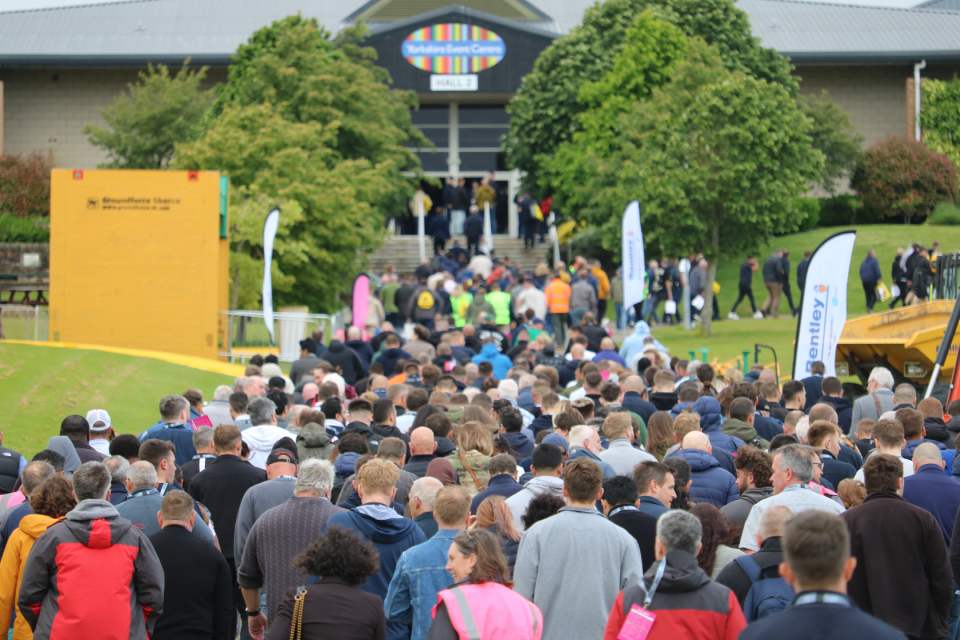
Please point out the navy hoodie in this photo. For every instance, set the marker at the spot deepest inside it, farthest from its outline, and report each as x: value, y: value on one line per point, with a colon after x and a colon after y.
x: 391, y: 534
x: 520, y: 443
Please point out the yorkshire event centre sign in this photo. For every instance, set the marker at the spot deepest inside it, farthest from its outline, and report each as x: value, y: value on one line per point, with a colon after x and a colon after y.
x: 453, y: 53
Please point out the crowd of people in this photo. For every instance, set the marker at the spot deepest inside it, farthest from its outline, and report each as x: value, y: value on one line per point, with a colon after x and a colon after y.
x: 453, y: 480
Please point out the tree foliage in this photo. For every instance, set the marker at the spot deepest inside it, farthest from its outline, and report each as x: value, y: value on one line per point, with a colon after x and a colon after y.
x: 25, y: 185
x: 160, y: 110
x: 904, y: 179
x: 940, y: 117
x: 545, y: 108
x: 310, y: 124
x: 717, y: 158
x: 581, y: 167
x: 833, y: 134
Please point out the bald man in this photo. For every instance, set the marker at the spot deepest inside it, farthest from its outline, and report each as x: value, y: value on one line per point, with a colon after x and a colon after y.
x: 358, y: 346
x: 770, y: 555
x: 634, y: 390
x: 423, y: 448
x: 711, y: 482
x: 931, y: 489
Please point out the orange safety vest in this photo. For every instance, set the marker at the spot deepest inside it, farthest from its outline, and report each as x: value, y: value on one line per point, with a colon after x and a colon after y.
x: 491, y: 611
x: 558, y: 296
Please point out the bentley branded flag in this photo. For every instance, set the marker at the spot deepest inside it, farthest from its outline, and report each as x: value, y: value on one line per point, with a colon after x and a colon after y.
x: 634, y: 269
x: 270, y: 226
x: 823, y: 308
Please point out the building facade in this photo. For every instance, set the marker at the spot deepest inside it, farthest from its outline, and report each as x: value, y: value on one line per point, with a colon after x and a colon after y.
x: 60, y: 67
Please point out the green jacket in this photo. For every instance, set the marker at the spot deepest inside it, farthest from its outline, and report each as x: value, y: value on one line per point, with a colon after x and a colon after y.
x: 388, y: 296
x: 744, y: 431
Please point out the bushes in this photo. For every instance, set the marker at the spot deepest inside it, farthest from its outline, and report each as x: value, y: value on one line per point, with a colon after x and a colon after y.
x: 806, y: 212
x: 24, y: 229
x: 25, y: 185
x: 946, y: 213
x: 904, y: 179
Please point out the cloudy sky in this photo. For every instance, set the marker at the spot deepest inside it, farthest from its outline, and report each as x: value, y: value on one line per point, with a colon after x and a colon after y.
x: 32, y: 4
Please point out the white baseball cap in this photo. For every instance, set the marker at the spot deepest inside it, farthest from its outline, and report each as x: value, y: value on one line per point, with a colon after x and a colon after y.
x: 98, y: 419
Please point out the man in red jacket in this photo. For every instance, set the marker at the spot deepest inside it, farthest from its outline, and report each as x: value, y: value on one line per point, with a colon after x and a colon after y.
x: 93, y: 575
x: 686, y: 603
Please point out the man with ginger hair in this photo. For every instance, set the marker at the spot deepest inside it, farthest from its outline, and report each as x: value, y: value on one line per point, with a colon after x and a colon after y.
x: 375, y: 520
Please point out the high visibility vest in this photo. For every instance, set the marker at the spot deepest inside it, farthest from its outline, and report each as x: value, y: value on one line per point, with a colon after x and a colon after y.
x: 500, y: 301
x: 491, y: 611
x: 460, y: 305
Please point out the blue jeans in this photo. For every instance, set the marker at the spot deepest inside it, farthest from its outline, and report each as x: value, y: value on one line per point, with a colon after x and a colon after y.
x: 620, y: 315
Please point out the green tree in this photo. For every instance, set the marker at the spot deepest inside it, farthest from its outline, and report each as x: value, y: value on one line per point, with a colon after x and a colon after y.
x: 833, y: 134
x: 716, y: 157
x: 904, y: 179
x: 940, y: 117
x: 158, y: 111
x: 580, y: 167
x: 308, y: 123
x: 543, y: 114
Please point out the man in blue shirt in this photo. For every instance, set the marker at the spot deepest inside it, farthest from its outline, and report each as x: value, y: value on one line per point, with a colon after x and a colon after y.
x: 421, y: 571
x: 173, y: 427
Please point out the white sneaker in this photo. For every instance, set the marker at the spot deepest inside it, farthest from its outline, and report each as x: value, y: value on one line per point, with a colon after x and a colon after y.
x: 732, y: 316
x: 758, y: 315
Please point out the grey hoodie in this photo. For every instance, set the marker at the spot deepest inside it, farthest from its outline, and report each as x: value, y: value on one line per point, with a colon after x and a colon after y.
x: 63, y: 446
x: 519, y: 501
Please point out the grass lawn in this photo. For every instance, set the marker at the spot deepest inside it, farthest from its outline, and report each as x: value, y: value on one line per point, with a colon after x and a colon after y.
x: 731, y: 338
x: 40, y: 385
x: 885, y: 238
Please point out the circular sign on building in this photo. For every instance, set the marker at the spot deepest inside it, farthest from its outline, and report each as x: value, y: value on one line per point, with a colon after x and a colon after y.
x: 453, y: 49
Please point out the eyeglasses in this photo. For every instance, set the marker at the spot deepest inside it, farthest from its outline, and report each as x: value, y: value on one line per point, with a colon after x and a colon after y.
x: 818, y: 464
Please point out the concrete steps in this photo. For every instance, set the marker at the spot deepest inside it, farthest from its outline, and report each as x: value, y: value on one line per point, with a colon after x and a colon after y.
x: 403, y: 252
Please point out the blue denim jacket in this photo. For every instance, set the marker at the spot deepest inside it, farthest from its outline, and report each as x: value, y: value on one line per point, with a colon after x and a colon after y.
x: 420, y: 575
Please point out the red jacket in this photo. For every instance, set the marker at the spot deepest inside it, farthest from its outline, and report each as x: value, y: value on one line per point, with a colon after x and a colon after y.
x: 93, y: 576
x: 687, y: 604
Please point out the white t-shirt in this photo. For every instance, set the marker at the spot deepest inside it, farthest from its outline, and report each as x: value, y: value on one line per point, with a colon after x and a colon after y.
x: 797, y: 498
x: 907, y: 469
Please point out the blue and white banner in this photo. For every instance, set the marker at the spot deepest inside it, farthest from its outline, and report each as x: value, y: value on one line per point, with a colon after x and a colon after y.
x: 270, y: 226
x: 824, y: 305
x: 634, y: 268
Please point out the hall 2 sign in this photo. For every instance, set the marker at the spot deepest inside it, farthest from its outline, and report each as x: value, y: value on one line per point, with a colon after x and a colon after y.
x: 453, y: 53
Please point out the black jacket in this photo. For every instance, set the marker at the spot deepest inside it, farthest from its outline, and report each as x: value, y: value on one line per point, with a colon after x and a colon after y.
x: 843, y: 407
x: 835, y: 470
x: 221, y: 487
x: 198, y: 588
x: 903, y: 575
x: 191, y: 468
x: 662, y: 401
x: 473, y: 226
x: 417, y: 465
x: 349, y: 363
x: 332, y: 609
x: 773, y: 270
x: 362, y: 349
x: 633, y: 402
x: 821, y: 621
x: 642, y: 526
x: 937, y: 430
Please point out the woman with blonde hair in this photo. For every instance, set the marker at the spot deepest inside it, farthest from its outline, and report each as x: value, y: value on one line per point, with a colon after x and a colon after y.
x: 494, y: 515
x: 471, y: 458
x: 481, y: 605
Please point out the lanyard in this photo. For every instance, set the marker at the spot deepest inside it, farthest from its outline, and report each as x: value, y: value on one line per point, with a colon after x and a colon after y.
x: 648, y: 598
x: 623, y: 507
x: 821, y: 597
